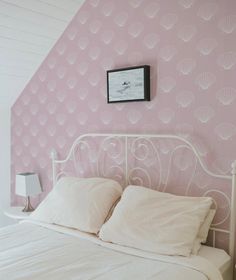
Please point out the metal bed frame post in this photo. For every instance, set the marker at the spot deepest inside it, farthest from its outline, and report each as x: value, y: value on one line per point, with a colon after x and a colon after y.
x: 126, y: 161
x: 53, y: 156
x: 233, y: 216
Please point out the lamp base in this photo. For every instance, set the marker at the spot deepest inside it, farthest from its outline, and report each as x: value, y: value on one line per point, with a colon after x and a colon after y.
x: 28, y: 207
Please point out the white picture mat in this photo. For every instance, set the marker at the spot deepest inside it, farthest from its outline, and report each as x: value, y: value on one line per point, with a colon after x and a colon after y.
x: 126, y: 84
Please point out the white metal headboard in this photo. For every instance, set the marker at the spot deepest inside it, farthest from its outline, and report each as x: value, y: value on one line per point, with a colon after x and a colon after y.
x: 122, y: 149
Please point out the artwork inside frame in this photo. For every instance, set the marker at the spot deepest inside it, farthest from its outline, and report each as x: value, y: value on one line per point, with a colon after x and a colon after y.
x: 128, y: 84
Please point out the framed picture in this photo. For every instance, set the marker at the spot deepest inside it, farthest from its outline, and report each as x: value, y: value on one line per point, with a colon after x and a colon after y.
x: 128, y: 84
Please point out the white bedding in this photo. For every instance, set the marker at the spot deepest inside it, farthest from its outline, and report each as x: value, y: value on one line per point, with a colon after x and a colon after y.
x: 33, y: 251
x: 217, y: 256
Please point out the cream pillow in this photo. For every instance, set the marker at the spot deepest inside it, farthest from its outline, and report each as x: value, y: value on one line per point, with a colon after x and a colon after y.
x: 203, y: 231
x: 157, y: 222
x: 79, y: 203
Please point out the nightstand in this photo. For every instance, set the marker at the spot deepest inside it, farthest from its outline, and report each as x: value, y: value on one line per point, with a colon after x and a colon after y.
x: 16, y: 213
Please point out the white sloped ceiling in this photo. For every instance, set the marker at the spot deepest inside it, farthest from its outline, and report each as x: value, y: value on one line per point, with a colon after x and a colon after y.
x: 28, y: 31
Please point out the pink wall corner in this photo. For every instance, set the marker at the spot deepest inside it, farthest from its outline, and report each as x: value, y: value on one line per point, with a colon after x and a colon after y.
x: 191, y: 48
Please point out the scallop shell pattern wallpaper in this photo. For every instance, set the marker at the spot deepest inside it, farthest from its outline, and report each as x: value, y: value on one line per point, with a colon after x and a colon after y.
x: 191, y: 48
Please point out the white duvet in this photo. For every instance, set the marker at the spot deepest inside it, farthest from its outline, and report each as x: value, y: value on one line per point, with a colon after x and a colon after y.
x: 30, y: 251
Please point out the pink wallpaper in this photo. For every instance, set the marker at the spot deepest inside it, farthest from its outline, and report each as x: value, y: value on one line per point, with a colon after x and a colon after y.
x: 191, y: 47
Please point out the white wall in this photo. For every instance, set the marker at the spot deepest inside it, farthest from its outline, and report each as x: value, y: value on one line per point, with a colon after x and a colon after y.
x: 5, y: 126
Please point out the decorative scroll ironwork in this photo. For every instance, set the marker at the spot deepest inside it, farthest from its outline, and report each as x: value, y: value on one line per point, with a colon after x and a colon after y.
x: 163, y: 162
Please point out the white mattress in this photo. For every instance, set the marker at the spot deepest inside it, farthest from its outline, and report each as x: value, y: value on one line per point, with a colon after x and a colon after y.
x: 30, y: 251
x: 217, y: 256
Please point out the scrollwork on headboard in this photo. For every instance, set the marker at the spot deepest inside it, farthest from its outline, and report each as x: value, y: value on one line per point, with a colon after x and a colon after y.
x: 164, y: 162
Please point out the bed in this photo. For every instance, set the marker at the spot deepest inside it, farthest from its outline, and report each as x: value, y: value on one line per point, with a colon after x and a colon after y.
x: 38, y: 250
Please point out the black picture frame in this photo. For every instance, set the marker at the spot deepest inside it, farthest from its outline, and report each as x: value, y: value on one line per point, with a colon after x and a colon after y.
x: 128, y: 84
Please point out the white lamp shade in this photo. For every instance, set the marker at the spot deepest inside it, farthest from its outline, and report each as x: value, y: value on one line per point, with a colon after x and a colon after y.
x: 27, y: 184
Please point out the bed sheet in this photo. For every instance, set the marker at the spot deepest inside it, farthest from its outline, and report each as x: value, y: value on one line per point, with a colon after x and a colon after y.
x: 217, y: 256
x: 39, y: 251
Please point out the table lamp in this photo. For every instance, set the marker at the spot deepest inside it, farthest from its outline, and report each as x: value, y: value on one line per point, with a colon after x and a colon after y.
x: 27, y: 184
